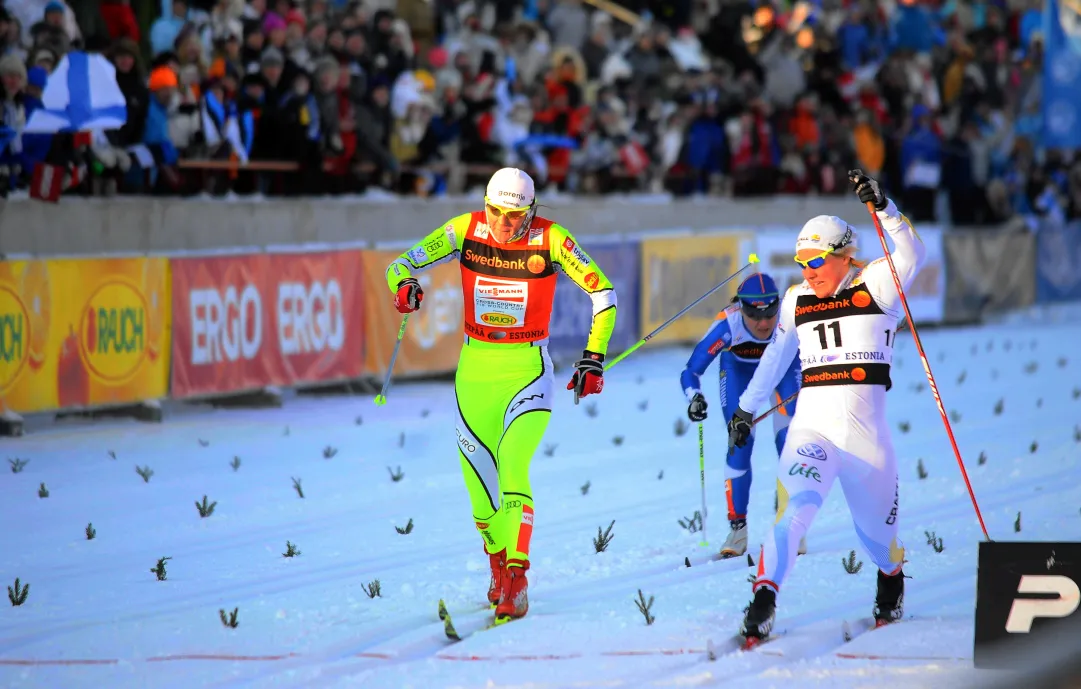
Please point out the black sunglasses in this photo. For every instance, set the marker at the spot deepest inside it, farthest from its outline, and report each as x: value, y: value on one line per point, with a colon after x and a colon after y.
x: 760, y: 313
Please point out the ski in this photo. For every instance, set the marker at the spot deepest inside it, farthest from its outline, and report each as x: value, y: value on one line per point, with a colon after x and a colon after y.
x: 472, y: 626
x: 862, y: 625
x: 749, y: 643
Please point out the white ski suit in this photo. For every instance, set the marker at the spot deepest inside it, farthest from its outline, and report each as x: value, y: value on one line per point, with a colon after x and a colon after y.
x: 839, y: 429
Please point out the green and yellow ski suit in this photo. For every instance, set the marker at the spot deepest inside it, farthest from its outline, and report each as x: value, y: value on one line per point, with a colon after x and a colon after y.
x: 504, y: 384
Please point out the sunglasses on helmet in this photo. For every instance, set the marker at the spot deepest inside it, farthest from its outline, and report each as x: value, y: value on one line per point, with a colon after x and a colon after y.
x: 818, y: 261
x: 512, y: 213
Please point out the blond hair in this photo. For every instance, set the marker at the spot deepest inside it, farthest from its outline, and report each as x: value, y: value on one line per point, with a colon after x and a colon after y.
x: 848, y: 252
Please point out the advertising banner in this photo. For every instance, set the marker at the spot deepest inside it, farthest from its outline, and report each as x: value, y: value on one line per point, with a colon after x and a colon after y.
x: 988, y: 271
x: 433, y: 338
x: 81, y: 333
x: 678, y: 270
x: 572, y: 309
x: 1058, y: 254
x: 246, y: 322
x: 926, y: 295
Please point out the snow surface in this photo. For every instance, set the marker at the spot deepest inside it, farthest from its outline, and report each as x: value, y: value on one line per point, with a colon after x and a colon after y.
x: 97, y: 617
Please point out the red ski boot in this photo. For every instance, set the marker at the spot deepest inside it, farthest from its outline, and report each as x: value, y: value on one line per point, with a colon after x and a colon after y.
x: 515, y: 600
x: 498, y: 564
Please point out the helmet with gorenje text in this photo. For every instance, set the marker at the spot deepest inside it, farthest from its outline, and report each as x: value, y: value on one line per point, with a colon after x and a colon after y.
x: 511, y: 190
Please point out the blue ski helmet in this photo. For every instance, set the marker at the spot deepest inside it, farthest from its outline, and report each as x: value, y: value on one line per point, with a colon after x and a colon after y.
x: 758, y: 297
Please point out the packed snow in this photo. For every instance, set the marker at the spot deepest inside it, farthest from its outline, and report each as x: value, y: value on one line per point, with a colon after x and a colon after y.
x: 96, y: 616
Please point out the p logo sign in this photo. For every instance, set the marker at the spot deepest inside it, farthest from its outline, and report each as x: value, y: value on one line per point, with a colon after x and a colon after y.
x: 1023, y: 589
x: 1066, y: 597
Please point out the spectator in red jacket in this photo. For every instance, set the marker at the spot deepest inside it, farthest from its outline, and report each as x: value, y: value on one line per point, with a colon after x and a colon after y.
x: 119, y: 19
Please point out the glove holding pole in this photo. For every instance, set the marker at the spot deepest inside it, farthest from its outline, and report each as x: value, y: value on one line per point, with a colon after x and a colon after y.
x: 409, y: 296
x: 588, y: 378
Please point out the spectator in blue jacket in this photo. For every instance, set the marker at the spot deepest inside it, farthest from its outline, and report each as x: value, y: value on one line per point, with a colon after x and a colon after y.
x: 921, y: 166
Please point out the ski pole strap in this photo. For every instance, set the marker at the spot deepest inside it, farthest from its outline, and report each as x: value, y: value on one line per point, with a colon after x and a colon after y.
x: 753, y: 259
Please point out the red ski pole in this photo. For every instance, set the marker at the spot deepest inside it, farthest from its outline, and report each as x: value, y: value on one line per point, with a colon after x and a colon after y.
x: 926, y: 364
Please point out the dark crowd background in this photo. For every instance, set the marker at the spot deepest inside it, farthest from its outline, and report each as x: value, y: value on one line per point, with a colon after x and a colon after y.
x: 940, y: 100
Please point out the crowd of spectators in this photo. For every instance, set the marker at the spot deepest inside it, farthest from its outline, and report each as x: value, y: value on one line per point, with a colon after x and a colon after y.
x: 728, y: 97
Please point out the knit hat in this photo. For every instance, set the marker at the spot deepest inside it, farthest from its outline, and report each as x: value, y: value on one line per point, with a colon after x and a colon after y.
x: 163, y: 78
x: 273, y: 21
x: 295, y: 16
x: 11, y: 64
x: 272, y: 56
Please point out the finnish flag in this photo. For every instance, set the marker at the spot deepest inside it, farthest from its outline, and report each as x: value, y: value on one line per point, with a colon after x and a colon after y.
x: 81, y: 95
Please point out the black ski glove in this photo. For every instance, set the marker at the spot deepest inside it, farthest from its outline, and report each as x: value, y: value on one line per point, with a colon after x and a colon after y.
x: 867, y: 189
x: 696, y: 410
x: 739, y: 428
x: 588, y: 378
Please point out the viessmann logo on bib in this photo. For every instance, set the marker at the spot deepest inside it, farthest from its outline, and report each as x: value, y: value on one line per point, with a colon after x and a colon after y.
x: 500, y: 303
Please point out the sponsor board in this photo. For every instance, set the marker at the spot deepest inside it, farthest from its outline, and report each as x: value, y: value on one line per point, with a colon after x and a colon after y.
x: 83, y: 333
x: 246, y: 322
x: 1024, y: 590
x: 678, y: 270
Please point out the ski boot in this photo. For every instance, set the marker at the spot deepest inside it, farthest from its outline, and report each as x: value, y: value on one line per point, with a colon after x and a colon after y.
x: 498, y: 565
x: 736, y: 543
x: 802, y: 546
x: 759, y: 617
x: 890, y: 598
x: 514, y: 602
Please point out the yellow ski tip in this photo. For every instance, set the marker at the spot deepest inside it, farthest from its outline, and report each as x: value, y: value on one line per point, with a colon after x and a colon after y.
x: 753, y: 258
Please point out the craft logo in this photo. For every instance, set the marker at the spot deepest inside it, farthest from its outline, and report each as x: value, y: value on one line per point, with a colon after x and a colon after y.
x: 464, y: 442
x: 113, y: 331
x: 502, y: 320
x: 536, y: 236
x: 15, y: 335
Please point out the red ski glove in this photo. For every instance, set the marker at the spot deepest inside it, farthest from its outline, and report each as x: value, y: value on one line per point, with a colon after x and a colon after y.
x: 409, y: 296
x: 588, y: 378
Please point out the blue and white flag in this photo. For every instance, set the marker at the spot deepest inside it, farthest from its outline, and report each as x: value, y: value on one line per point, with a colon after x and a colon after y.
x: 1062, y: 74
x: 81, y: 95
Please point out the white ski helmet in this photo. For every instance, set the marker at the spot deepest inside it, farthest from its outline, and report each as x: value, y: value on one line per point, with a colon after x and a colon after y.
x: 510, y: 188
x: 825, y: 232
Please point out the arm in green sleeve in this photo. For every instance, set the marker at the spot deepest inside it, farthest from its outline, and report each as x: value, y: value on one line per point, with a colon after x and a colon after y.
x: 438, y: 247
x: 582, y: 270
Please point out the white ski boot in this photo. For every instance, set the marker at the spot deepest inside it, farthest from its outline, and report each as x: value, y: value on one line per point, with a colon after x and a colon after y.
x: 736, y: 543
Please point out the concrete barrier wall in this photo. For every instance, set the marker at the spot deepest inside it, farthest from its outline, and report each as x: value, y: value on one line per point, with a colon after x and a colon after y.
x: 142, y: 225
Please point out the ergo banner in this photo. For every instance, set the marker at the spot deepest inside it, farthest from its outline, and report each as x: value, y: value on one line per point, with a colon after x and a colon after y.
x: 246, y: 322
